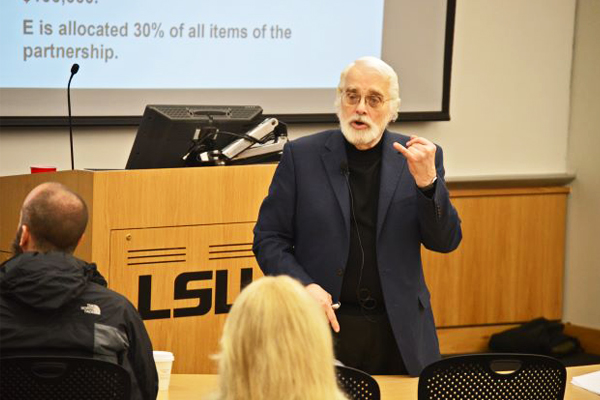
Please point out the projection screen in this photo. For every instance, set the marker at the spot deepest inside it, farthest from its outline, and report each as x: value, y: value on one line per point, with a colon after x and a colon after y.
x: 285, y: 56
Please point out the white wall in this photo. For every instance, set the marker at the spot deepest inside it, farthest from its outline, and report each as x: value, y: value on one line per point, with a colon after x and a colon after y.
x: 510, y: 89
x: 510, y: 108
x: 582, y: 275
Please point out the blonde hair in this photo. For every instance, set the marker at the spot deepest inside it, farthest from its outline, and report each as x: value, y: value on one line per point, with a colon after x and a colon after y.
x: 276, y: 344
x: 382, y: 68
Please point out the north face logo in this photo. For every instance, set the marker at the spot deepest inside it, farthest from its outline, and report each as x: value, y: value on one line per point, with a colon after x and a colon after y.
x: 91, y: 309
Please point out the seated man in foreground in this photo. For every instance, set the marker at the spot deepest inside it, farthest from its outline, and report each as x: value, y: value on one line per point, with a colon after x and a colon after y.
x: 52, y: 303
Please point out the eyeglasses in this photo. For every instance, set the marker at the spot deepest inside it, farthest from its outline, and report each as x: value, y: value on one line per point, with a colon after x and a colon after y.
x: 372, y: 100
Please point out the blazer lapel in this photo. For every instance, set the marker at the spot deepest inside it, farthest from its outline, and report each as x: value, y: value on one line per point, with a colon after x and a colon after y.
x: 333, y: 158
x: 393, y: 167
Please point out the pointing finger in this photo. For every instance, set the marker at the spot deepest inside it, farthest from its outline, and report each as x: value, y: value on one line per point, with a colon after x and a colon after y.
x: 332, y: 319
x: 401, y: 149
x: 420, y: 140
x: 411, y: 153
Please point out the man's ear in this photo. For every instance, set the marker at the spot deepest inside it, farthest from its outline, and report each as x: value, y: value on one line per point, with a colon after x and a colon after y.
x: 26, y: 241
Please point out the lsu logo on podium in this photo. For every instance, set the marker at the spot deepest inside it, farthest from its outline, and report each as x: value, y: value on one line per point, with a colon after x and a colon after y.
x: 181, y: 292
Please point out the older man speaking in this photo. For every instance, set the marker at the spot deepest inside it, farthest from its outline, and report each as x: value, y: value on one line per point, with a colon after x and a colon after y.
x: 346, y: 214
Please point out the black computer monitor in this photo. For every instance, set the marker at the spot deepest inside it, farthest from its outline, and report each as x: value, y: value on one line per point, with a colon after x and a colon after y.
x: 167, y: 132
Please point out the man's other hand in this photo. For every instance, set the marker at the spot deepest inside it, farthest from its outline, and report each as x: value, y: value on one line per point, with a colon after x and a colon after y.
x: 325, y: 300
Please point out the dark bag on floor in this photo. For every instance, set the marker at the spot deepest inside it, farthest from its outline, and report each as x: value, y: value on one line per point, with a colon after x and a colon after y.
x: 538, y: 336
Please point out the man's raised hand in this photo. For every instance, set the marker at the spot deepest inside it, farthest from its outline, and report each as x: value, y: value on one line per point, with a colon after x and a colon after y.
x: 420, y: 155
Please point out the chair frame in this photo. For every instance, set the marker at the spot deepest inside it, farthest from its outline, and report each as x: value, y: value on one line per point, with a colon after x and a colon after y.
x: 58, y: 377
x: 357, y: 384
x: 468, y: 372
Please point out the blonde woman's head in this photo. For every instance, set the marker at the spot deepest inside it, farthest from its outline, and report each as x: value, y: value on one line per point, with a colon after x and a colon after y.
x: 276, y: 344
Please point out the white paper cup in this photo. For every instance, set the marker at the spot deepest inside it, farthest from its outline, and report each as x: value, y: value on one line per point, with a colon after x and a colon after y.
x: 164, y: 363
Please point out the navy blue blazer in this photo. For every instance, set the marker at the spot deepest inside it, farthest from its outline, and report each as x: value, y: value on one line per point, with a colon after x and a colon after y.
x: 303, y: 230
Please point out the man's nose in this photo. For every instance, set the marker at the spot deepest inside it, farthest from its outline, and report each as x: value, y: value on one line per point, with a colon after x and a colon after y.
x: 361, y: 107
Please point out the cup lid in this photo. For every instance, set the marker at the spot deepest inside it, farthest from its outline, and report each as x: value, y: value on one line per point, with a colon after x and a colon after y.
x: 163, y: 356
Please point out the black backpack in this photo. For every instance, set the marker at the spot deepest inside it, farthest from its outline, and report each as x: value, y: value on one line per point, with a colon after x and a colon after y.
x: 538, y: 336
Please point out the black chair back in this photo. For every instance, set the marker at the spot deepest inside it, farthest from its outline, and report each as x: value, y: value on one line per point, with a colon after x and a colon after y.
x: 494, y: 377
x: 62, y: 378
x: 357, y: 384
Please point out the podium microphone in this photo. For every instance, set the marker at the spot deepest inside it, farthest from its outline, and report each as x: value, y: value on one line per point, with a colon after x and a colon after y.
x: 74, y: 70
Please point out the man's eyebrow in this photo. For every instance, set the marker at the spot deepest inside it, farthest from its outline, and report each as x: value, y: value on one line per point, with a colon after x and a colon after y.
x: 370, y: 92
x: 373, y: 92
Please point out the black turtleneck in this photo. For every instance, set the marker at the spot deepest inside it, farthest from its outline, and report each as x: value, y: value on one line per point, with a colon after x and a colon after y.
x: 364, y: 168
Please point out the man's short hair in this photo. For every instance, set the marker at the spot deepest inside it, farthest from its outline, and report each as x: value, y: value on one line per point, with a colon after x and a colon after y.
x: 56, y: 217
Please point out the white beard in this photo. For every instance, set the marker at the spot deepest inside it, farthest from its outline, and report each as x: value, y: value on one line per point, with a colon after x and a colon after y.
x: 360, y: 137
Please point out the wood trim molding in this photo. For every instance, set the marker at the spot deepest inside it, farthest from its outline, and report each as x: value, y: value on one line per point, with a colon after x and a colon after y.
x: 516, y: 191
x: 475, y: 339
x: 472, y: 339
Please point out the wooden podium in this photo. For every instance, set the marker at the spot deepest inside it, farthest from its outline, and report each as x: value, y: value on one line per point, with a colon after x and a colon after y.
x: 177, y: 243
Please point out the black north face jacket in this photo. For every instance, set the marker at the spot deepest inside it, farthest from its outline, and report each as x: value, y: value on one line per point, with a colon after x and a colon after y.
x: 56, y: 304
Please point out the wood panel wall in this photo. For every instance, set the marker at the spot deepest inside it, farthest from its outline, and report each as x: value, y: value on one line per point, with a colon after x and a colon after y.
x: 510, y: 263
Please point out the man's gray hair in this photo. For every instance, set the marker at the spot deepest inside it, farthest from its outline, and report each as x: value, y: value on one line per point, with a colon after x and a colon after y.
x: 385, y: 70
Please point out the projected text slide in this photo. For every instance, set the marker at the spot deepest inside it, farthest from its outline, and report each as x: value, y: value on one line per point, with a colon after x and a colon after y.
x: 185, y: 43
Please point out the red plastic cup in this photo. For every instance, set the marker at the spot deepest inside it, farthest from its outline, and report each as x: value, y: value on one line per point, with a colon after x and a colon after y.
x: 35, y: 169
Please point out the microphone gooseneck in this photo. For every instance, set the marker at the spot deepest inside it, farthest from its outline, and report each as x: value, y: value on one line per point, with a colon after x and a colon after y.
x: 74, y: 70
